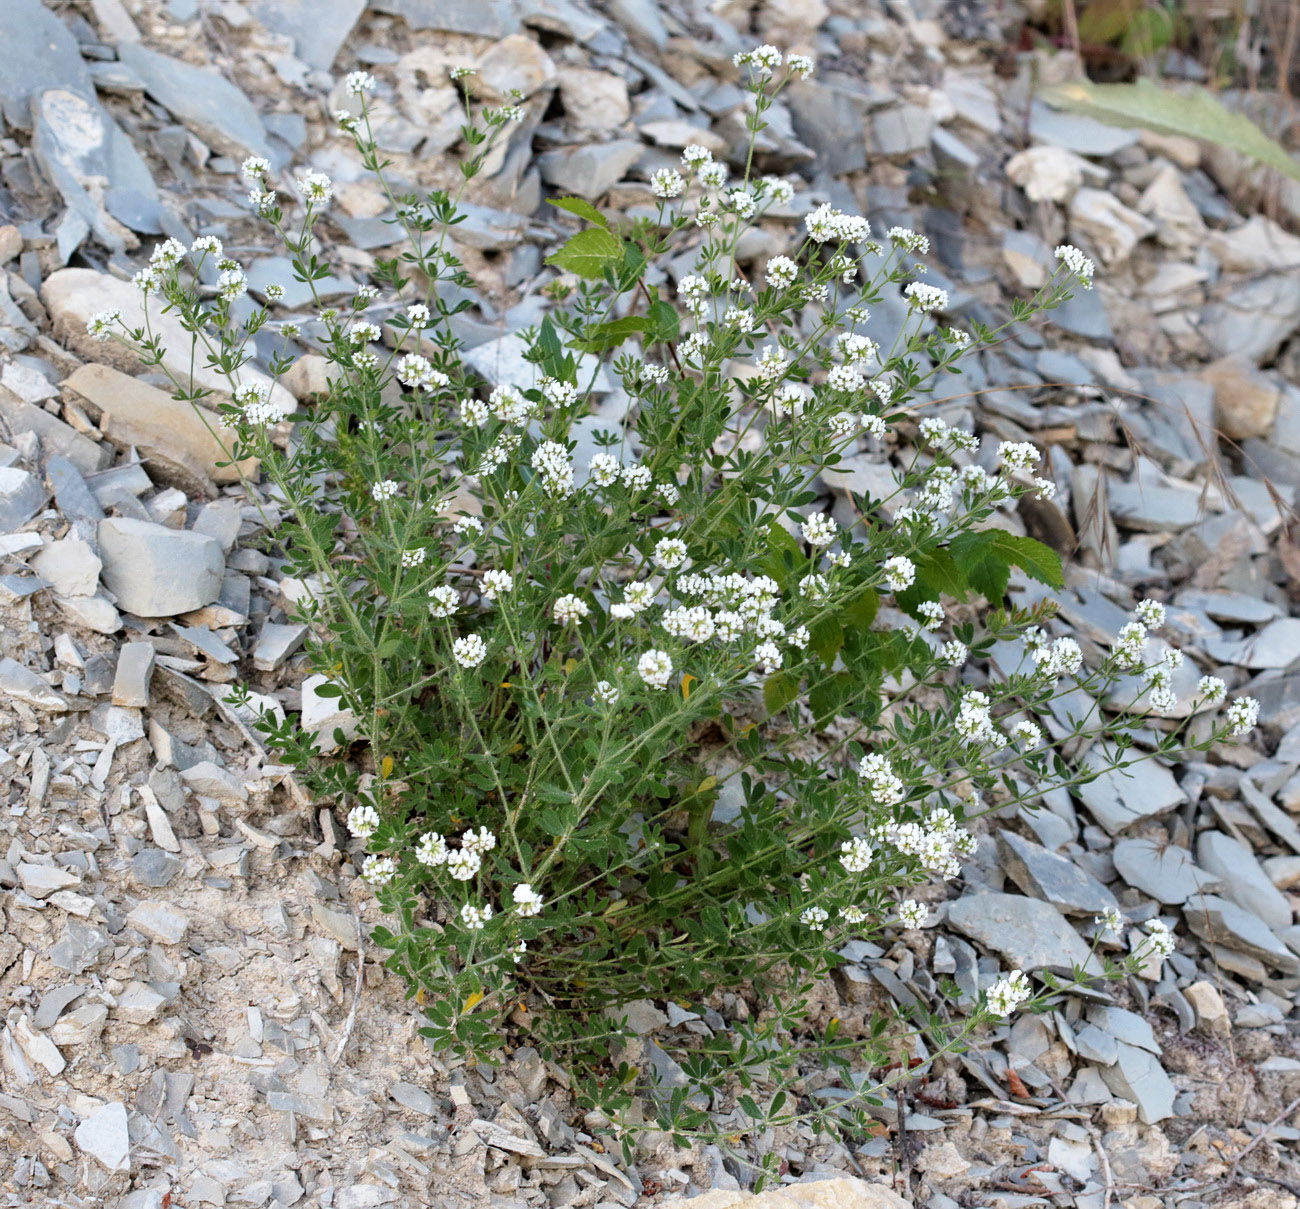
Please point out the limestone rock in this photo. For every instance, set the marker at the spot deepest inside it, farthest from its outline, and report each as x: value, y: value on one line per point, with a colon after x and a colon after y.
x: 817, y: 1194
x: 159, y: 572
x: 1245, y: 401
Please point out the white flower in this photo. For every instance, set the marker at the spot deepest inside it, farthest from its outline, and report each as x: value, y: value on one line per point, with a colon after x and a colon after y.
x: 432, y: 849
x: 551, y: 461
x: 694, y: 155
x: 460, y: 72
x: 637, y: 478
x: 361, y: 333
x: 1110, y: 920
x: 168, y: 254
x: 316, y: 188
x: 255, y: 167
x: 826, y: 224
x: 764, y: 60
x: 1151, y: 613
x: 713, y: 175
x: 815, y: 918
x: 801, y: 65
x: 655, y: 668
x: 363, y: 821
x: 469, y: 651
x: 781, y: 272
x: 570, y: 608
x: 1160, y: 940
x: 799, y: 637
x: 1129, y: 645
x: 443, y: 601
x: 1077, y: 263
x: 777, y: 190
x: 463, y: 863
x: 909, y: 239
x: 899, y: 573
x: 358, y: 82
x: 1008, y: 994
x: 923, y: 297
x: 913, y: 914
x: 479, y: 841
x: 527, y: 900
x: 378, y: 870
x: 475, y: 917
x: 932, y: 614
x: 1026, y: 733
x: 1212, y: 689
x: 769, y: 658
x: 856, y: 854
x: 606, y: 693
x: 232, y: 284
x: 418, y: 314
x: 497, y: 583
x: 669, y: 553
x: 413, y: 558
x: 1242, y: 715
x: 820, y: 530
x: 603, y: 469
x: 465, y: 526
x: 206, y: 245
x: 102, y: 323
x: 385, y: 490
x: 953, y: 653
x: 852, y: 914
x: 667, y: 183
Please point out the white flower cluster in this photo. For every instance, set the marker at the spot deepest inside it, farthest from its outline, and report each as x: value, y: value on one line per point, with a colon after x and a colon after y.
x: 924, y: 297
x: 884, y: 785
x: 551, y: 461
x: 937, y: 844
x: 1077, y: 263
x: 254, y: 401
x: 826, y: 224
x: 1007, y: 994
x: 415, y: 372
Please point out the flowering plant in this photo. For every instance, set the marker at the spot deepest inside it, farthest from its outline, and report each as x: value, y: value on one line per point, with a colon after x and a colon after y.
x: 637, y: 714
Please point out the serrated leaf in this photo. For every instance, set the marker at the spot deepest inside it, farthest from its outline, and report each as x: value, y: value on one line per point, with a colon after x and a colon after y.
x: 779, y: 690
x: 826, y: 638
x: 601, y: 337
x: 664, y: 322
x: 985, y: 559
x: 1192, y: 112
x: 588, y: 253
x: 583, y: 209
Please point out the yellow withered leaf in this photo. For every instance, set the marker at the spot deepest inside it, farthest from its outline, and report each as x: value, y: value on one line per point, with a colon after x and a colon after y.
x: 472, y: 1002
x: 687, y: 681
x: 386, y: 766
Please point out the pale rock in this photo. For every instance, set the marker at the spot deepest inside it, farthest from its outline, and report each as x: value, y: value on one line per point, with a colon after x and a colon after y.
x: 40, y: 881
x: 1178, y: 222
x: 1207, y: 1003
x: 676, y: 133
x: 589, y: 169
x: 73, y: 296
x: 1259, y: 245
x: 176, y: 440
x: 1244, y: 882
x: 841, y: 1193
x: 104, y: 1136
x: 1106, y: 224
x: 275, y: 643
x: 154, y: 571
x: 131, y: 678
x: 942, y: 1161
x: 1076, y: 1159
x: 308, y: 376
x: 502, y: 363
x: 1245, y: 400
x: 1283, y: 871
x: 515, y: 62
x: 1138, y: 1076
x: 26, y: 686
x: 139, y: 1003
x: 322, y: 716
x: 593, y: 100
x: 91, y: 612
x: 1049, y: 174
x: 1184, y: 152
x: 38, y: 1048
x: 70, y: 565
x: 21, y: 497
x: 28, y: 384
x: 159, y: 922
x: 81, y: 1026
x: 212, y: 781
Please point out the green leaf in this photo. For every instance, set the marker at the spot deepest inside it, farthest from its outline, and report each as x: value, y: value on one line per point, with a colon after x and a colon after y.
x: 601, y: 337
x: 664, y: 322
x: 779, y: 690
x: 583, y: 209
x: 986, y: 558
x: 1192, y: 112
x: 858, y: 612
x: 826, y: 639
x: 937, y: 574
x: 588, y: 253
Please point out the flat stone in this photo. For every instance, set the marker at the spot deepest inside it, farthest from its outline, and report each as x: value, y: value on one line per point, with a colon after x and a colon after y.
x: 139, y: 1003
x: 70, y: 567
x: 26, y: 686
x: 1073, y: 132
x: 21, y: 497
x: 213, y: 781
x: 1120, y: 797
x: 155, y: 571
x: 275, y: 643
x: 103, y: 1135
x: 838, y: 1193
x: 1164, y: 871
x: 208, y: 103
x: 1102, y: 222
x: 1124, y: 1026
x: 323, y: 716
x: 1029, y: 934
x: 642, y: 1016
x: 86, y: 455
x: 901, y: 129
x: 1254, y: 319
x: 179, y: 443
x: 40, y: 881
x: 414, y: 1098
x: 1222, y: 922
x: 1233, y: 607
x: 1244, y: 880
x: 502, y: 363
x: 1057, y: 879
x: 54, y: 1002
x: 1096, y: 1045
x: 79, y: 947
x: 314, y: 1107
x: 159, y: 922
x: 73, y: 297
x: 1276, y: 646
x: 318, y: 27
x: 593, y: 100
x: 338, y: 924
x: 589, y: 169
x: 154, y: 868
x: 1138, y: 1076
x: 36, y: 54
x: 134, y: 671
x: 482, y: 18
x: 38, y: 1048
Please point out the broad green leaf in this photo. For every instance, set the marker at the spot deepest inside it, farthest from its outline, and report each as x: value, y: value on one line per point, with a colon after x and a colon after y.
x: 588, y: 253
x: 826, y: 639
x: 937, y: 575
x: 779, y: 690
x: 601, y: 337
x: 664, y: 322
x: 583, y: 209
x: 985, y: 559
x: 1193, y: 112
